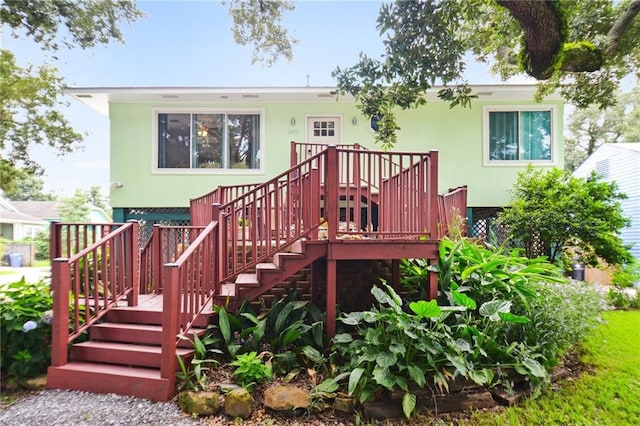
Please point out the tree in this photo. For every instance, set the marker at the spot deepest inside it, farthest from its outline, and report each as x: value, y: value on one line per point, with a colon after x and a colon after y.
x: 258, y: 22
x: 30, y: 109
x: 29, y: 188
x: 582, y: 48
x: 591, y: 127
x: 75, y: 209
x: 95, y: 198
x: 552, y: 210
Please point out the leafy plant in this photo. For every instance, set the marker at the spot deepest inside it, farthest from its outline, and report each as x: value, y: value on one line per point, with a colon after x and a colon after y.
x: 626, y: 275
x: 250, y: 369
x: 25, y: 329
x: 291, y: 330
x: 551, y: 210
x: 195, y: 376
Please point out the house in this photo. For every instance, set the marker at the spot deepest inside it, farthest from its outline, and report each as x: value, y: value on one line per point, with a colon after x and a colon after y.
x: 255, y: 191
x: 171, y: 144
x: 49, y: 211
x: 619, y: 162
x: 17, y: 225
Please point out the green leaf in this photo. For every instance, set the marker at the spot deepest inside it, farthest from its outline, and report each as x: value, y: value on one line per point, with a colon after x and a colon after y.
x: 354, y: 378
x: 342, y: 338
x: 384, y: 377
x: 463, y: 300
x: 534, y: 367
x: 417, y: 375
x: 313, y: 354
x: 397, y: 348
x: 425, y: 309
x: 408, y: 404
x: 282, y: 317
x: 386, y: 359
x: 509, y: 317
x: 225, y: 328
x: 492, y: 308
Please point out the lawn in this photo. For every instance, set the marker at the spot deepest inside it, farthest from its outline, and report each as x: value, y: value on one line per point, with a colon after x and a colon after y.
x: 607, y: 395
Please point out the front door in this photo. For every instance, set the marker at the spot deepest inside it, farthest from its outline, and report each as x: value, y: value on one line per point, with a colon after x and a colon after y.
x: 323, y: 130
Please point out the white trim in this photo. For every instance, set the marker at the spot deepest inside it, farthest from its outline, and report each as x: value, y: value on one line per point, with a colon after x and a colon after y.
x: 555, y: 138
x: 339, y: 117
x: 155, y: 170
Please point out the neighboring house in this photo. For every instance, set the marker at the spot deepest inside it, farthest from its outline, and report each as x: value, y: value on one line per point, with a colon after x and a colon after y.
x: 16, y: 225
x: 171, y: 144
x: 50, y: 211
x: 620, y: 163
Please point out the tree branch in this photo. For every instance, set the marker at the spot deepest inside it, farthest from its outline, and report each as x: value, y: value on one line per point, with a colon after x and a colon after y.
x: 621, y: 25
x: 542, y: 28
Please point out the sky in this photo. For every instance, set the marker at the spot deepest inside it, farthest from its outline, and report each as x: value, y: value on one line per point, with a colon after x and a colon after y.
x: 189, y: 43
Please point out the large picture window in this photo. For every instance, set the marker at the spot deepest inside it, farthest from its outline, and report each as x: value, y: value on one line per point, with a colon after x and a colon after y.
x: 518, y: 135
x: 208, y: 140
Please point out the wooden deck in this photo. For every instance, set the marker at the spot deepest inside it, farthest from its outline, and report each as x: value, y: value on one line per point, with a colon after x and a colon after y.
x: 333, y: 204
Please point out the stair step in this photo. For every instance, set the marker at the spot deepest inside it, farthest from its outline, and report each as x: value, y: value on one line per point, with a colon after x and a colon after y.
x: 247, y: 280
x: 280, y: 258
x: 141, y: 316
x: 135, y: 333
x: 267, y: 267
x: 107, y: 378
x: 121, y: 353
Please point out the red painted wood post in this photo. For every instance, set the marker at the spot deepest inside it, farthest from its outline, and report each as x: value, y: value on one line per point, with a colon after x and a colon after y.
x: 133, y: 266
x: 293, y: 156
x: 221, y: 249
x: 156, y: 259
x: 331, y: 297
x: 61, y: 285
x: 433, y: 220
x: 54, y: 240
x: 170, y: 314
x: 433, y: 196
x: 314, y: 214
x: 332, y: 201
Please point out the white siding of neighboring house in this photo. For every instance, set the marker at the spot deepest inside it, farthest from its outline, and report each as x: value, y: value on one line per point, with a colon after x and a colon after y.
x: 620, y: 163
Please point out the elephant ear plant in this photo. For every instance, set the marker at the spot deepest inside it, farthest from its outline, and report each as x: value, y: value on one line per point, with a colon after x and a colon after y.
x: 474, y: 330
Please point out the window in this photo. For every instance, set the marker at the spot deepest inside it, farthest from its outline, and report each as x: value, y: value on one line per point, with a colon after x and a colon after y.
x: 523, y: 135
x: 208, y: 140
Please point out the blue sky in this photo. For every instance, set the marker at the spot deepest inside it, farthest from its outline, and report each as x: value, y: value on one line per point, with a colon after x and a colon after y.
x: 189, y: 43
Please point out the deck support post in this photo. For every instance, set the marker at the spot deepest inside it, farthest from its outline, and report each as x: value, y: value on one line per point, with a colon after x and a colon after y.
x: 170, y: 314
x: 156, y: 260
x: 61, y: 285
x: 331, y: 297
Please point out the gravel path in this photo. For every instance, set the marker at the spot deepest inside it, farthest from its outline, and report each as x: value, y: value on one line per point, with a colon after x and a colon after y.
x: 57, y: 407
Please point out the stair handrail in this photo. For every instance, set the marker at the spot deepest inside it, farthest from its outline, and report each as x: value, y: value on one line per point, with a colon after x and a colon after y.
x: 91, y: 282
x: 271, y: 216
x: 200, y: 207
x: 190, y: 284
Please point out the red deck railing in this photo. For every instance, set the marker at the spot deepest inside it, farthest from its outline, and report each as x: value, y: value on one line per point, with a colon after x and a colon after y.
x: 450, y: 205
x: 190, y: 283
x: 93, y: 280
x: 166, y: 244
x: 335, y: 193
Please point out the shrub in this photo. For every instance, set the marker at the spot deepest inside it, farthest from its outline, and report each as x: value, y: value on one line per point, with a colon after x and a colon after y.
x: 25, y: 327
x: 250, y: 369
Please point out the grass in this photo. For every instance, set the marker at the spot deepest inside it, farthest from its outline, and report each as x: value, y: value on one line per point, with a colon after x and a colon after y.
x: 42, y: 263
x: 608, y: 395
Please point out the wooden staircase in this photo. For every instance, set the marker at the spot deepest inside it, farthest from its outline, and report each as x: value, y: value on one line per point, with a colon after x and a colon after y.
x: 269, y: 274
x: 123, y: 354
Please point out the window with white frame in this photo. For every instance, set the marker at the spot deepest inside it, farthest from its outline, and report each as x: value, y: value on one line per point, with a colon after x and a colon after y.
x: 208, y: 140
x: 518, y: 135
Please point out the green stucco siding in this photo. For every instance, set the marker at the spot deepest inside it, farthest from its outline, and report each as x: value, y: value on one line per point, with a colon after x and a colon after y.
x: 456, y: 133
